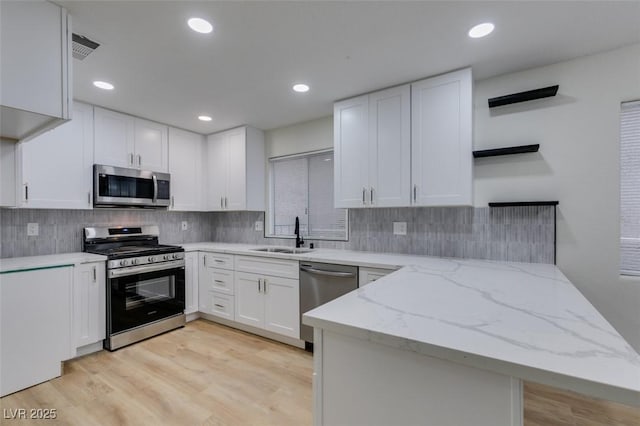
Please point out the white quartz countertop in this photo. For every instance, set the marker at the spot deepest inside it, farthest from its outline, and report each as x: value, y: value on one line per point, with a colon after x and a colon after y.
x: 518, y: 319
x: 16, y: 264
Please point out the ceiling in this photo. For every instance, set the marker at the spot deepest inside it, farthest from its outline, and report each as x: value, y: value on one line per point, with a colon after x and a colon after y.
x: 242, y: 72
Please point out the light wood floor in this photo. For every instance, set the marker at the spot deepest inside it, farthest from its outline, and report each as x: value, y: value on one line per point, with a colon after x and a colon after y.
x: 208, y: 374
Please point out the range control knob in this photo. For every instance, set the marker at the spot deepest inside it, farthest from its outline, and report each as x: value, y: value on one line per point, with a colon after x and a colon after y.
x: 176, y: 256
x: 151, y: 259
x: 165, y: 257
x: 124, y: 262
x: 134, y: 261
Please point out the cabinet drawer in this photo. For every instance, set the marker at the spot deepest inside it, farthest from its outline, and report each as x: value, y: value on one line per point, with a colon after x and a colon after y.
x: 218, y: 260
x: 222, y: 305
x: 268, y: 266
x: 369, y: 275
x: 220, y: 280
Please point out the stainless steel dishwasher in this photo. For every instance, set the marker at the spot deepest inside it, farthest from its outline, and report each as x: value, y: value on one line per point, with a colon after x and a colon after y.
x: 321, y: 283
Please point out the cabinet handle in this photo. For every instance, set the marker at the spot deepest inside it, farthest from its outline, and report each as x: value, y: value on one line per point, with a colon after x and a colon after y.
x: 26, y: 192
x: 364, y: 191
x: 131, y: 159
x: 219, y: 261
x: 371, y: 194
x: 95, y: 274
x: 172, y: 202
x: 264, y: 285
x: 226, y: 202
x: 139, y: 160
x: 89, y: 197
x: 259, y: 279
x: 217, y: 305
x: 204, y: 260
x: 222, y: 202
x: 415, y: 192
x: 218, y: 281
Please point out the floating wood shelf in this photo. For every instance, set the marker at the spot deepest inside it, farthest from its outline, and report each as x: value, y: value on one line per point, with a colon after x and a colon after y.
x: 506, y: 151
x: 529, y: 95
x: 524, y: 203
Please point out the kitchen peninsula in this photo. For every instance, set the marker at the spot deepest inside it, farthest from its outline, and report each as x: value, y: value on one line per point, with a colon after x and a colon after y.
x: 451, y: 340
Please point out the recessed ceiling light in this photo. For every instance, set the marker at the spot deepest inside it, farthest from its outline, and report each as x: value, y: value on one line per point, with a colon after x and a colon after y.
x: 204, y: 118
x: 481, y: 30
x: 301, y: 88
x: 103, y: 85
x: 200, y: 25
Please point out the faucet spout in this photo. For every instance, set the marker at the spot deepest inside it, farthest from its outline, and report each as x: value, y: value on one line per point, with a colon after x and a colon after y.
x: 299, y: 240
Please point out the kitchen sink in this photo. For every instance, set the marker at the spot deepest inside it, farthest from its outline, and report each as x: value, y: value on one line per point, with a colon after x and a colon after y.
x: 285, y: 250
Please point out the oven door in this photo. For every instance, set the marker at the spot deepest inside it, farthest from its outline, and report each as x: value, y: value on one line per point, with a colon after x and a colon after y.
x: 142, y: 298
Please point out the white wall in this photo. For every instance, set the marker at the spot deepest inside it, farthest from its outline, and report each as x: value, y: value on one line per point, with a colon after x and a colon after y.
x: 578, y: 164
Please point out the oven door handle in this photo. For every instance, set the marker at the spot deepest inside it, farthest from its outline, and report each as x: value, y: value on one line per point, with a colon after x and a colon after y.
x: 155, y: 189
x: 123, y: 272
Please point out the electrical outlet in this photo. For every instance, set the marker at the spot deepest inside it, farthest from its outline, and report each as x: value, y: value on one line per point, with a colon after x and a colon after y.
x: 399, y: 228
x: 32, y: 229
x: 259, y: 226
x: 185, y: 225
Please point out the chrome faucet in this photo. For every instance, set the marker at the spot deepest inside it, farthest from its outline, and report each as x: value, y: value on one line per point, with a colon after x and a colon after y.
x: 299, y: 240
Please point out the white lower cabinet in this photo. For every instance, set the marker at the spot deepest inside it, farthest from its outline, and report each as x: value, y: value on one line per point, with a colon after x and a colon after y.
x: 270, y: 301
x: 368, y: 275
x: 35, y: 332
x: 89, y: 305
x: 191, y: 273
x: 216, y: 285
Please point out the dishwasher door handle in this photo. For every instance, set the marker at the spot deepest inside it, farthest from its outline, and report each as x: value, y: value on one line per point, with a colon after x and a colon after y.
x: 328, y: 273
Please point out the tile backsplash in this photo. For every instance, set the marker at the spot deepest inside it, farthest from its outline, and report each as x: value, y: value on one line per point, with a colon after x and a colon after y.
x: 524, y: 234
x: 60, y: 231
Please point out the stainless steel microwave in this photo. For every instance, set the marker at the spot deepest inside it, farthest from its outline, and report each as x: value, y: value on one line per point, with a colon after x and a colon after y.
x: 122, y: 187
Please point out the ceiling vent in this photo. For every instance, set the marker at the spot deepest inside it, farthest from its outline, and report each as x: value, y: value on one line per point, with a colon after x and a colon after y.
x: 82, y: 46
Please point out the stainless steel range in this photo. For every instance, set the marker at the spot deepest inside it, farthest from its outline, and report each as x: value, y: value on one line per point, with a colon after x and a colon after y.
x: 145, y: 282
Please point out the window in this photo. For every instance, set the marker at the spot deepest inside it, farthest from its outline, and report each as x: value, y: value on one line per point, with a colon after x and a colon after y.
x: 302, y: 186
x: 630, y: 188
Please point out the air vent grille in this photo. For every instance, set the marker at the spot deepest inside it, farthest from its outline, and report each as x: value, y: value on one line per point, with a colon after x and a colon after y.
x: 82, y: 46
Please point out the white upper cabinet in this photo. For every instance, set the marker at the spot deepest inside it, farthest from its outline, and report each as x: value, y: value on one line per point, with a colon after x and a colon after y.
x: 236, y: 170
x: 151, y: 145
x: 125, y: 141
x: 441, y: 138
x: 186, y: 160
x: 350, y: 151
x: 372, y: 149
x: 65, y: 152
x: 35, y: 52
x: 409, y: 145
x: 390, y: 147
x: 114, y: 135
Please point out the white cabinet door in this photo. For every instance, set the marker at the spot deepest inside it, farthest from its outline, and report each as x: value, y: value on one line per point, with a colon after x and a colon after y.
x: 35, y: 332
x: 390, y: 147
x: 216, y: 171
x: 35, y: 63
x: 89, y: 304
x: 186, y: 169
x: 151, y: 146
x: 191, y: 275
x: 441, y: 138
x: 249, y: 299
x: 114, y: 138
x: 282, y: 306
x: 351, y: 142
x: 236, y: 147
x: 67, y: 153
x: 369, y: 275
x: 8, y: 182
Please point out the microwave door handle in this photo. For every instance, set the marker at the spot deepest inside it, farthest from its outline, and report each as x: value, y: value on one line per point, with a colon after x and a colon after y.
x: 155, y: 189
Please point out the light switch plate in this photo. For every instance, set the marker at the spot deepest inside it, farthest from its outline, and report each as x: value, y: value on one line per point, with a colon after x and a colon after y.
x: 185, y: 225
x: 259, y: 226
x: 399, y: 228
x: 32, y: 229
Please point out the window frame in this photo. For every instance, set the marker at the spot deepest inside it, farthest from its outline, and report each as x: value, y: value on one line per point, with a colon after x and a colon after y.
x: 621, y: 241
x: 269, y: 213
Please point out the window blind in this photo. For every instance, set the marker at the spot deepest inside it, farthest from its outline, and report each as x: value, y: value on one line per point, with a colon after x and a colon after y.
x: 630, y: 188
